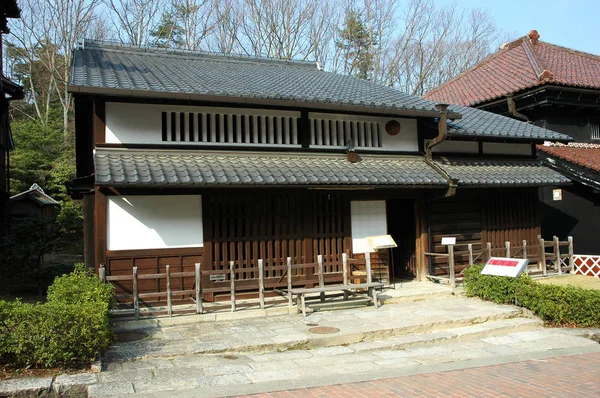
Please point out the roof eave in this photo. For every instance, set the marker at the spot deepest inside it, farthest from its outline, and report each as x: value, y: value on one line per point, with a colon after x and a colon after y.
x: 74, y: 89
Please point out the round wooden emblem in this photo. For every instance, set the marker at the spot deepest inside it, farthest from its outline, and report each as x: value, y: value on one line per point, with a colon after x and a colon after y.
x: 392, y: 127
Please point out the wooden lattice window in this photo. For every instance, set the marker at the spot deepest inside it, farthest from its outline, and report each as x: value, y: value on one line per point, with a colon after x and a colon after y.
x: 342, y: 130
x: 231, y: 126
x: 595, y: 129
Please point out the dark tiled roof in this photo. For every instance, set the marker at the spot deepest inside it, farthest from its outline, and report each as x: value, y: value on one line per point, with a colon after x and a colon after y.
x: 517, y: 66
x: 158, y: 70
x: 182, y: 169
x: 479, y: 123
x: 585, y: 155
x: 501, y: 173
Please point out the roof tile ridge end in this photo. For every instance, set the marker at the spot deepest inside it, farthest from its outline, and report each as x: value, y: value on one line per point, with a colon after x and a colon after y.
x: 542, y: 73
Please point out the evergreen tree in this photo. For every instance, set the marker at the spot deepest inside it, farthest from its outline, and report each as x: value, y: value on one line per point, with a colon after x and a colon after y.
x: 357, y: 45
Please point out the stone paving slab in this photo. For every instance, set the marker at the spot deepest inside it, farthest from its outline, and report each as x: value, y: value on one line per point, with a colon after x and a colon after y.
x: 292, y: 331
x: 269, y: 371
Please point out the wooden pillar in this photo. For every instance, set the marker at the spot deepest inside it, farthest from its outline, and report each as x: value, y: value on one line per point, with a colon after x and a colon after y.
x: 571, y: 259
x: 422, y: 241
x: 557, y: 255
x: 99, y: 229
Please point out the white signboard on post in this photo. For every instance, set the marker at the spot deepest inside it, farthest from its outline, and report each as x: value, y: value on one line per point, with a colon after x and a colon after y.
x: 501, y: 266
x: 381, y: 242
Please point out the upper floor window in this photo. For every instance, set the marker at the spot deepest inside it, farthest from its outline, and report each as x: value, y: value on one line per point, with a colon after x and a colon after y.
x: 595, y: 129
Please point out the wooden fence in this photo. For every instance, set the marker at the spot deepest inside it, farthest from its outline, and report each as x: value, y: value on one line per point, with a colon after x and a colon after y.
x: 296, y: 274
x: 558, y: 259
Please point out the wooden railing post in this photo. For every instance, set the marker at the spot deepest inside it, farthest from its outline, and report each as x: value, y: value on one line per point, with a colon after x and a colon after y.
x: 321, y: 278
x: 470, y: 248
x: 345, y: 269
x: 543, y: 257
x: 368, y: 267
x: 507, y: 245
x: 488, y: 247
x: 169, y: 298
x: 289, y: 280
x: 571, y: 259
x: 261, y: 283
x: 525, y: 255
x: 232, y: 277
x: 136, y: 297
x: 199, y: 306
x: 451, y: 265
x: 557, y: 254
x: 102, y: 273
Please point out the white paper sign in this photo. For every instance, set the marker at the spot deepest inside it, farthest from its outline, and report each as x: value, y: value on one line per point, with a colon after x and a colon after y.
x: 449, y: 241
x: 501, y: 266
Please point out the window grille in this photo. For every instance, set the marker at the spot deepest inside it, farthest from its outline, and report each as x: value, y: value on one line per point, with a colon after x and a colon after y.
x: 244, y: 127
x: 341, y: 130
x: 595, y: 129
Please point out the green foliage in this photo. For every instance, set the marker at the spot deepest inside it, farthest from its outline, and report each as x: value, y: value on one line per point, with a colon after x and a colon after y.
x: 81, y: 287
x: 357, y: 43
x: 561, y: 305
x: 70, y: 328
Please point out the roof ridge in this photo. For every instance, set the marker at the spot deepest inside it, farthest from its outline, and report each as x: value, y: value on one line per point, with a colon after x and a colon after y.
x: 503, y: 49
x: 127, y: 48
x: 531, y: 56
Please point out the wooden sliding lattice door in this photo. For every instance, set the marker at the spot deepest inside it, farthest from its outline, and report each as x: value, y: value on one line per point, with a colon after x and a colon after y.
x: 245, y: 227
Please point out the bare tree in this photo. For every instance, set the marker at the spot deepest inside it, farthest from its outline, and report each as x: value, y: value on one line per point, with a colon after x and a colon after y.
x: 228, y: 18
x: 133, y: 20
x: 45, y: 36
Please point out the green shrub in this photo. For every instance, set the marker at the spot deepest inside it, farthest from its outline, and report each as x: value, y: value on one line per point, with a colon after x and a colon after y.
x: 70, y: 328
x: 79, y: 287
x: 561, y: 305
x: 499, y: 289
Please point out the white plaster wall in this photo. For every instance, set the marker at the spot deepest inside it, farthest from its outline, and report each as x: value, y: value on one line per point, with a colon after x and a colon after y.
x: 368, y: 218
x: 154, y: 222
x: 499, y: 148
x: 406, y: 140
x: 133, y: 123
x: 455, y: 147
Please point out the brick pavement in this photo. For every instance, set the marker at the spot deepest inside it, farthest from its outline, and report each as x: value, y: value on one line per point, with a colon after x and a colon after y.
x: 565, y: 376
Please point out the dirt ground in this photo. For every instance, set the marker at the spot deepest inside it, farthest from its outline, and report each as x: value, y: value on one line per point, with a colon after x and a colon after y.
x: 586, y: 282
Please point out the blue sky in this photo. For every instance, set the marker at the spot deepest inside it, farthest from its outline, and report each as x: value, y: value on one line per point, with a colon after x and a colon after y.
x: 569, y: 23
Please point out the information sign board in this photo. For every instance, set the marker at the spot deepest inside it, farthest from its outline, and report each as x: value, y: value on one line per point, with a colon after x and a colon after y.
x: 502, y: 266
x: 381, y: 242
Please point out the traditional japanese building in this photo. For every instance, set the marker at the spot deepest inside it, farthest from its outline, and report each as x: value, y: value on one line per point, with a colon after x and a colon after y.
x: 8, y: 91
x: 559, y: 89
x: 194, y: 157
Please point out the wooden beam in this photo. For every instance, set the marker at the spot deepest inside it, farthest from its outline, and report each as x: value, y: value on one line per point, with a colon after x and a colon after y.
x: 99, y: 228
x: 99, y: 121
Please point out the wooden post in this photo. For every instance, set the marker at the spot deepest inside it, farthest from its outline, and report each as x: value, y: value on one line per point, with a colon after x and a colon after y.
x: 261, y: 283
x: 451, y: 265
x: 489, y: 249
x: 199, y: 306
x: 470, y: 248
x: 289, y: 278
x: 345, y: 268
x: 543, y: 257
x: 321, y: 278
x: 136, y: 297
x: 169, y: 298
x: 507, y: 245
x: 557, y: 254
x: 525, y: 255
x: 571, y: 259
x: 232, y: 277
x: 368, y: 267
x: 102, y: 272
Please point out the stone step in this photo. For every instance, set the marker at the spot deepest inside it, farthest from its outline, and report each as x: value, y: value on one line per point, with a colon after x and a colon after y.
x: 349, y: 334
x: 464, y: 333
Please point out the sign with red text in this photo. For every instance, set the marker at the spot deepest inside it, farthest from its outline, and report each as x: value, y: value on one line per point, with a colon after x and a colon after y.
x: 501, y: 266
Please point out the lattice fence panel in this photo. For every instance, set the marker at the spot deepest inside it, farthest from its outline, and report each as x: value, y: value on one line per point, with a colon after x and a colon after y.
x: 587, y: 265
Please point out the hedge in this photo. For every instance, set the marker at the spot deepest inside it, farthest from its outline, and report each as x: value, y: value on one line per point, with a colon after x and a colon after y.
x: 69, y: 329
x: 560, y: 305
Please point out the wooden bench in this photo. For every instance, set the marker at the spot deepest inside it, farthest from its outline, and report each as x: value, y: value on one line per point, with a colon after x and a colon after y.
x: 345, y: 287
x: 302, y: 292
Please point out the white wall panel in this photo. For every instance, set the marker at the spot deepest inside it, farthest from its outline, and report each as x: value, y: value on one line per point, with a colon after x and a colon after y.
x: 500, y: 148
x: 368, y: 218
x: 154, y: 222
